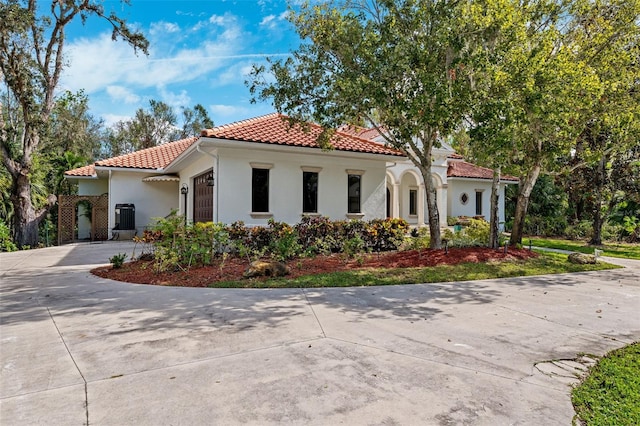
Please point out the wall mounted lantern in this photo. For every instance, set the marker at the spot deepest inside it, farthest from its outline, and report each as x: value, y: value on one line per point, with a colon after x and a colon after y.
x: 184, y: 190
x: 210, y: 180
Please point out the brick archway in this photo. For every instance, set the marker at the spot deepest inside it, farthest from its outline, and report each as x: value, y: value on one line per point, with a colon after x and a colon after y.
x: 67, y: 217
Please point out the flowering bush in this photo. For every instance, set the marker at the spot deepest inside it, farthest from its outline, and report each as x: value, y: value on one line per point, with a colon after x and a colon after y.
x: 177, y: 245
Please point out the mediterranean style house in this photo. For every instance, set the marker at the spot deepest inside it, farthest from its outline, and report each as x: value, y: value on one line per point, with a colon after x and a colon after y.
x: 263, y: 168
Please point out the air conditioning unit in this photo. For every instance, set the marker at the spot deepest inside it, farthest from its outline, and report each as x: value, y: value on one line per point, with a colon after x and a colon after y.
x: 125, y: 217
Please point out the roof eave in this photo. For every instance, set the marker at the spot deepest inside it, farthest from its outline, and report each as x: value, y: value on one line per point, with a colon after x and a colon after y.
x: 481, y: 179
x: 173, y: 166
x: 233, y: 143
x: 84, y: 177
x: 129, y: 169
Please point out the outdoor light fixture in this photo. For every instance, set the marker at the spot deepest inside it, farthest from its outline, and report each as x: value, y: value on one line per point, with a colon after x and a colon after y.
x: 210, y: 180
x: 184, y: 190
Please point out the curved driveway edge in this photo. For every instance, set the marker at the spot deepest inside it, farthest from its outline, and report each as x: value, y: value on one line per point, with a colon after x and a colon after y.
x: 78, y: 349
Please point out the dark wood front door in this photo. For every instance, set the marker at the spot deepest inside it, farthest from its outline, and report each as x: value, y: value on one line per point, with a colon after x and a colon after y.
x: 203, y: 197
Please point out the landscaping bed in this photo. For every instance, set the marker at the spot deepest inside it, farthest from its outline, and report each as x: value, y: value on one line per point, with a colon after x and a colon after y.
x: 233, y: 268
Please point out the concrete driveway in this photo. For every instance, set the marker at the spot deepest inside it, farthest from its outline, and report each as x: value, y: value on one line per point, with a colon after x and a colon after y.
x: 77, y: 349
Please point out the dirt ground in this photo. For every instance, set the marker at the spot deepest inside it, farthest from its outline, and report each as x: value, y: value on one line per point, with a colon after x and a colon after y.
x: 232, y: 268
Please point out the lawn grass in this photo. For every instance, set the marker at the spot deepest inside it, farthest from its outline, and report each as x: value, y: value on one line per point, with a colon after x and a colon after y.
x: 628, y: 251
x: 545, y: 263
x: 610, y: 394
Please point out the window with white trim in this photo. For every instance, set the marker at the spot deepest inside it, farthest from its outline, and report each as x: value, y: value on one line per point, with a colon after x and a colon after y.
x: 309, y: 192
x: 259, y: 190
x: 413, y: 202
x: 354, y: 190
x: 478, y: 203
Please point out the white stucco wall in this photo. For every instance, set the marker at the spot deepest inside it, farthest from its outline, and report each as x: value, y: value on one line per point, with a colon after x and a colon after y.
x: 459, y: 186
x: 404, y: 176
x: 232, y: 190
x: 93, y: 186
x: 151, y: 199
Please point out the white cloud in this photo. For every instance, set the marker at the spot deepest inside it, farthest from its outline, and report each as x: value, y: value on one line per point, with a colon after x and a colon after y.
x: 175, y: 100
x: 217, y: 19
x: 184, y: 63
x: 268, y: 21
x: 111, y: 119
x: 284, y: 15
x: 235, y: 74
x: 226, y: 110
x: 96, y: 63
x: 272, y: 22
x: 161, y: 28
x: 119, y: 93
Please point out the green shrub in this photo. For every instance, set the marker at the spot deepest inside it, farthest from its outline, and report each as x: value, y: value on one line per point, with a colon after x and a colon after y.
x: 319, y: 235
x: 179, y: 245
x: 117, y: 260
x: 545, y: 226
x: 580, y: 230
x: 166, y: 259
x: 476, y: 234
x: 6, y: 243
x: 285, y: 244
x: 478, y: 231
x: 353, y: 247
x: 385, y: 234
x: 419, y: 239
x: 631, y: 225
x: 237, y: 231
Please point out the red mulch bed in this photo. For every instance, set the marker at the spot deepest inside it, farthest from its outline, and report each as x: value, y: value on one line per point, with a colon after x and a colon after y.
x: 141, y: 272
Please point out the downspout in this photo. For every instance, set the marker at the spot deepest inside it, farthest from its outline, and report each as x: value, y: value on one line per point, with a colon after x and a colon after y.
x: 111, y: 208
x: 217, y: 163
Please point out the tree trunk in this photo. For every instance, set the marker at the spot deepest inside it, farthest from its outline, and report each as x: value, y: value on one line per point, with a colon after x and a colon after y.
x: 421, y: 158
x: 435, y: 240
x: 598, y: 219
x: 26, y: 219
x: 523, y: 203
x: 25, y: 227
x: 494, y: 226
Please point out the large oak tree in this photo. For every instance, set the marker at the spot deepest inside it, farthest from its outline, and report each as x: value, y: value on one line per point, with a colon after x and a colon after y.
x: 32, y: 41
x: 399, y: 66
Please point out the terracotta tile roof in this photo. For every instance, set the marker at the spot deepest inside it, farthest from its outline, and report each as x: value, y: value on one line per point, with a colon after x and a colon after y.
x: 274, y: 129
x: 372, y: 133
x: 88, y: 171
x: 156, y: 157
x: 360, y: 132
x: 463, y: 169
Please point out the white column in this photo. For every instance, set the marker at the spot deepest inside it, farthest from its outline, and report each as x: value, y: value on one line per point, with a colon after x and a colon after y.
x: 421, y: 205
x: 395, y: 200
x: 442, y: 205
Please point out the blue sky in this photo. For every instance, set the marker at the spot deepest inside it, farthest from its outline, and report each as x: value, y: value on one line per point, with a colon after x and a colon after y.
x: 200, y: 52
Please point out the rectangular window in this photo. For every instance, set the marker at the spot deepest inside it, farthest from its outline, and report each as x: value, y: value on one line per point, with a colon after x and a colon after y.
x: 354, y: 193
x: 309, y: 192
x: 413, y: 201
x: 478, y: 203
x: 260, y: 190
